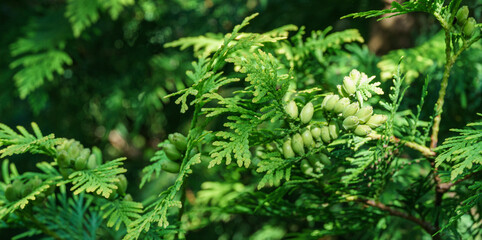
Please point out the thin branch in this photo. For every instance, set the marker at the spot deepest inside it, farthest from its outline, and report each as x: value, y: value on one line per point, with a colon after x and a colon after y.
x: 429, y: 228
x: 445, y: 187
x: 422, y: 149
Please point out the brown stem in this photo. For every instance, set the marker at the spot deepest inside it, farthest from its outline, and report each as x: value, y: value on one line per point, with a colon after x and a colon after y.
x: 429, y: 228
x: 422, y: 149
x: 445, y: 187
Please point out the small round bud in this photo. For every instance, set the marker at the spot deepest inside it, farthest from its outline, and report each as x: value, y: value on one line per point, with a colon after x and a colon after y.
x: 170, y: 166
x: 350, y: 122
x: 287, y: 149
x: 307, y: 138
x: 171, y: 151
x: 364, y: 114
x: 362, y: 130
x: 316, y: 132
x: 315, y: 161
x: 92, y: 162
x: 11, y: 193
x: 349, y: 85
x: 333, y: 129
x: 306, y: 167
x: 355, y: 75
x: 350, y: 110
x: 291, y: 109
x: 341, y: 105
x: 330, y: 103
x: 462, y: 15
x: 376, y: 120
x: 325, y: 134
x: 121, y: 184
x: 307, y: 113
x: 179, y: 140
x: 469, y: 27
x: 297, y: 144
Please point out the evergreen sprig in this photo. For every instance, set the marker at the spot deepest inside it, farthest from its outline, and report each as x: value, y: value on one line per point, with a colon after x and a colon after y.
x: 464, y: 151
x: 23, y: 141
x: 101, y: 180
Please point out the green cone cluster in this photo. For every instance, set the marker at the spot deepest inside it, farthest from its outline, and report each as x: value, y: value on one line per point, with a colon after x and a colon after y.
x: 72, y: 156
x: 18, y: 190
x: 174, y: 151
x: 314, y: 164
x: 359, y: 120
x: 467, y: 24
x: 305, y: 115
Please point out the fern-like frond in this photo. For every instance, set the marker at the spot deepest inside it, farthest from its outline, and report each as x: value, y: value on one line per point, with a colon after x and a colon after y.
x: 101, y: 180
x: 464, y: 150
x: 275, y: 169
x: 36, y: 68
x: 400, y: 9
x: 121, y: 211
x: 203, y: 45
x: 157, y: 211
x: 82, y: 14
x: 115, y: 7
x: 416, y: 60
x: 70, y: 217
x: 10, y: 207
x: 23, y: 141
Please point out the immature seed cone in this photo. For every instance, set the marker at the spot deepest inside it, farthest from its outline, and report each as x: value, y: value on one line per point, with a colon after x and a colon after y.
x: 350, y: 122
x: 325, y: 134
x: 333, y: 129
x: 315, y: 161
x: 307, y: 138
x: 325, y: 159
x: 355, y: 75
x: 350, y: 110
x: 316, y: 132
x: 170, y: 166
x: 179, y: 140
x: 330, y: 103
x: 376, y: 120
x: 462, y: 15
x: 364, y: 114
x: 306, y: 167
x: 11, y: 193
x: 349, y: 85
x: 307, y: 113
x: 292, y: 109
x: 92, y: 162
x: 362, y: 130
x: 297, y: 144
x: 171, y: 152
x: 287, y: 149
x: 121, y: 184
x: 341, y: 105
x: 469, y: 27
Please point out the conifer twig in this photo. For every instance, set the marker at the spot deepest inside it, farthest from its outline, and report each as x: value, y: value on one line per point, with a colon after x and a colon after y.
x: 422, y: 149
x: 429, y: 228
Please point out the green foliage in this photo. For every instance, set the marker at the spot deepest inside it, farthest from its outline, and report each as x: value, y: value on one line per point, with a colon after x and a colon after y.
x: 463, y: 151
x: 100, y: 180
x: 121, y: 212
x: 14, y: 143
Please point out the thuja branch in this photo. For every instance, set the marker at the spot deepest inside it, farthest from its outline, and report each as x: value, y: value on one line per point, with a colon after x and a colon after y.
x: 422, y: 149
x: 450, y: 60
x: 429, y: 228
